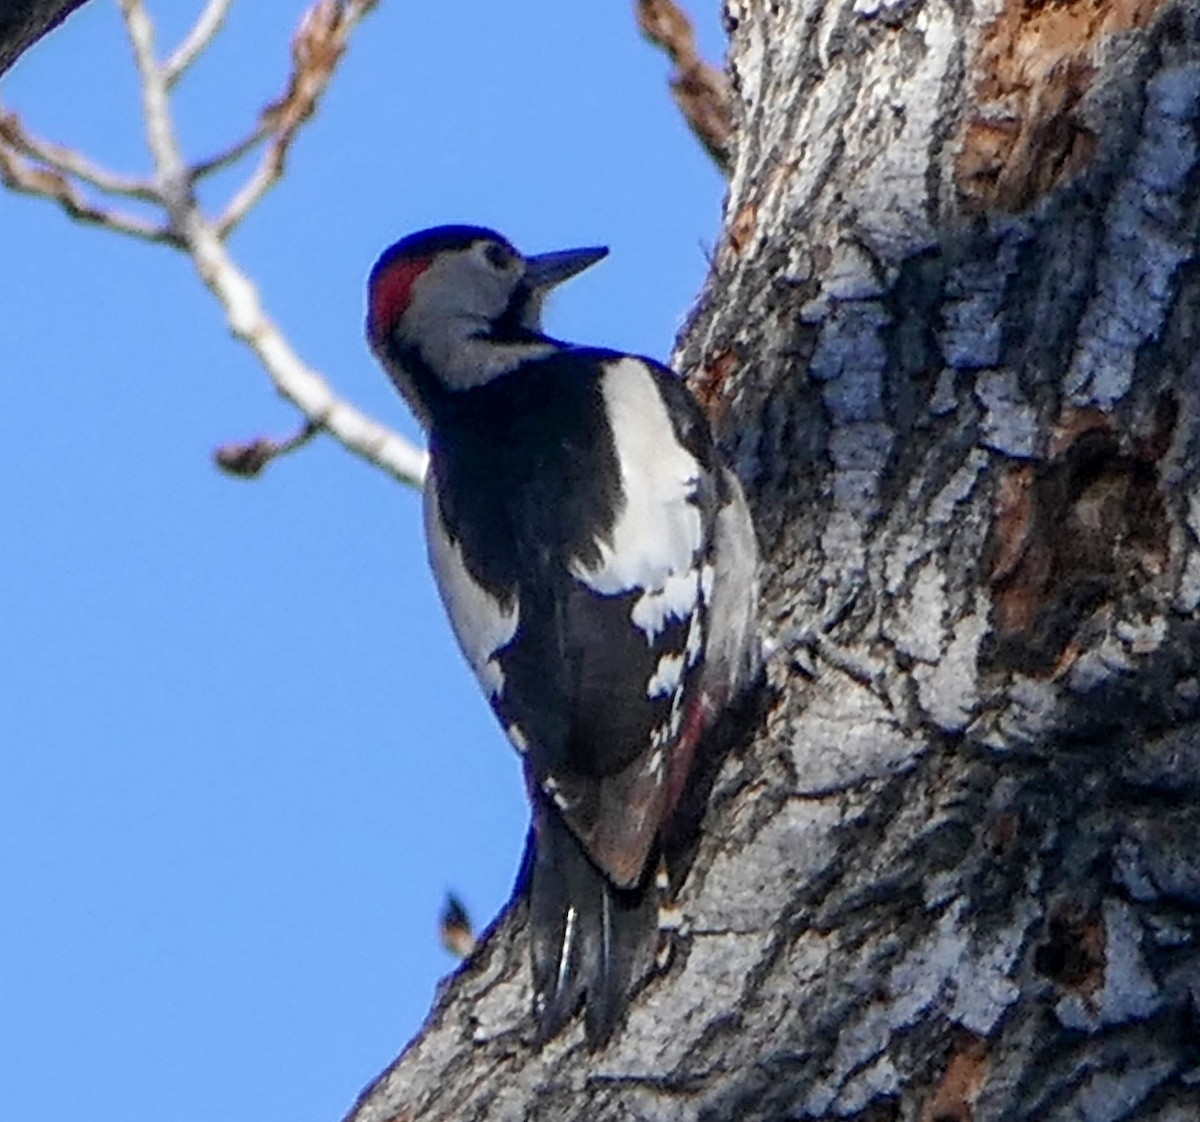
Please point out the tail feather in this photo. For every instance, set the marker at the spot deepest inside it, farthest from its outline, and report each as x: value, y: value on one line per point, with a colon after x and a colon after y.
x: 591, y: 941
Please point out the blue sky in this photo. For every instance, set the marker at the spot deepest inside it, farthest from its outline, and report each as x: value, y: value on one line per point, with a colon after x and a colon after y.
x: 241, y: 761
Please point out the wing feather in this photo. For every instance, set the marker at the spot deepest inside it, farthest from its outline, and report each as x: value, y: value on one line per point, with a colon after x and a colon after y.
x: 586, y: 625
x: 629, y: 618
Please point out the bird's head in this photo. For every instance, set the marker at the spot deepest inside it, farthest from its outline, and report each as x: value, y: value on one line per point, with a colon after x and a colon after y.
x: 453, y: 307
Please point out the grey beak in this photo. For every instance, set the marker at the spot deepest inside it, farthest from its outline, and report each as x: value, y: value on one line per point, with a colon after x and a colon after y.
x: 546, y: 270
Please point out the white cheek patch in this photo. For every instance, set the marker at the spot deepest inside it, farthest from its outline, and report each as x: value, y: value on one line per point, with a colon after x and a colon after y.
x: 482, y: 624
x: 658, y: 533
x: 452, y: 303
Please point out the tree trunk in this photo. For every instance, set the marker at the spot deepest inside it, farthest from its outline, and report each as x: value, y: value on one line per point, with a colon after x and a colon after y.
x: 949, y: 340
x: 23, y: 22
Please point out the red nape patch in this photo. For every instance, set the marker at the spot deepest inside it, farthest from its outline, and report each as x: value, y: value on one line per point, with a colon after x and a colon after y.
x: 391, y: 292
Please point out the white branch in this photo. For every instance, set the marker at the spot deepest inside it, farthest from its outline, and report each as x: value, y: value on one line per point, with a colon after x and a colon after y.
x: 318, y: 45
x: 72, y: 163
x: 320, y: 42
x: 18, y: 174
x: 250, y: 194
x: 172, y: 172
x: 198, y: 38
x: 294, y: 380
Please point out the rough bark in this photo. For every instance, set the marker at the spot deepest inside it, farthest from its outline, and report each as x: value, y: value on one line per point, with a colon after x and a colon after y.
x: 948, y: 337
x: 24, y: 22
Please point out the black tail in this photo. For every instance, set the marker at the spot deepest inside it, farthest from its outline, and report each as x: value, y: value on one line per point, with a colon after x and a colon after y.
x: 588, y: 936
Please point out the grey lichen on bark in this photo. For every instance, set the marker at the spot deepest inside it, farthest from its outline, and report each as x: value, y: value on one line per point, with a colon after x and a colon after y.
x: 949, y: 341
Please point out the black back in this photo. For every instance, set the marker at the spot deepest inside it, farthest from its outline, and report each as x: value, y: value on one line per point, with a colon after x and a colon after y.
x: 527, y: 482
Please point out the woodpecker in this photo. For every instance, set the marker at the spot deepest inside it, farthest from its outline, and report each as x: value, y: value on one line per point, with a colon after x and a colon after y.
x: 598, y: 564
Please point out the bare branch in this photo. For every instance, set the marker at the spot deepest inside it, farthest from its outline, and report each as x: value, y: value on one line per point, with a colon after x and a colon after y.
x: 315, y: 55
x: 266, y: 175
x: 171, y: 171
x: 232, y: 154
x: 67, y: 161
x: 319, y: 43
x: 701, y: 91
x: 18, y: 174
x: 295, y: 381
x: 198, y: 38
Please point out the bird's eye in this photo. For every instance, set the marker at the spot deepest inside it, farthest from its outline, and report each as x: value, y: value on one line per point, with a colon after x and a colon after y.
x: 498, y: 257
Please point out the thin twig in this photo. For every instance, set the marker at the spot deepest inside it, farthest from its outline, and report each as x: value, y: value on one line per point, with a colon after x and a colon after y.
x: 319, y: 43
x: 18, y: 174
x: 232, y: 154
x: 67, y: 161
x: 197, y: 39
x: 317, y: 47
x: 171, y: 177
x: 247, y: 459
x: 295, y: 381
x: 701, y: 90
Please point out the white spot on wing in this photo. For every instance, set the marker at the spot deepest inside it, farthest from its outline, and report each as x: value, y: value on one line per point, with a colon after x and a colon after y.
x: 666, y: 677
x: 564, y: 958
x: 676, y: 719
x: 658, y: 532
x: 670, y: 917
x: 517, y: 738
x: 695, y: 639
x: 554, y: 791
x: 676, y: 599
x: 482, y: 624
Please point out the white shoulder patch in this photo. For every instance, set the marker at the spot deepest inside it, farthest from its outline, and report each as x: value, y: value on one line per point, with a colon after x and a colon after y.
x: 658, y: 536
x: 481, y: 623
